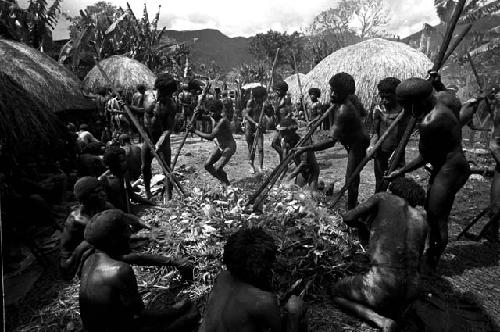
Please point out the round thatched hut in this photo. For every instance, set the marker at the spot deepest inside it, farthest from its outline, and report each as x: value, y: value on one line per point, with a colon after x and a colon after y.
x: 292, y: 80
x: 43, y: 78
x: 368, y: 62
x: 125, y: 74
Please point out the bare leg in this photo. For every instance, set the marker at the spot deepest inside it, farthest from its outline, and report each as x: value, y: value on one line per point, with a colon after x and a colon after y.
x: 275, y: 144
x: 380, y: 165
x: 490, y: 232
x: 260, y: 147
x: 212, y: 159
x: 355, y: 156
x: 225, y: 157
x: 146, y: 159
x: 366, y: 313
x: 250, y: 136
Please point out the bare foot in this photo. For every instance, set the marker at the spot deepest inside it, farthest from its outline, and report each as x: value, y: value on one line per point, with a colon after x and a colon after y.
x: 252, y: 167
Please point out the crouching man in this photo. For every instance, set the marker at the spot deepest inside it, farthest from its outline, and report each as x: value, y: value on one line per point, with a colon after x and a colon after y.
x: 396, y: 233
x: 242, y: 297
x: 109, y: 296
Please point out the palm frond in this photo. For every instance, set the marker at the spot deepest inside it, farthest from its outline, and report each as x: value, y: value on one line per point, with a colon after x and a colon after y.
x: 491, y: 45
x: 475, y: 15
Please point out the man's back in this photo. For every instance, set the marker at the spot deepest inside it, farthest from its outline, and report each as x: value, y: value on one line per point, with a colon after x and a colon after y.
x: 348, y: 126
x: 397, y: 233
x: 107, y: 303
x: 237, y: 306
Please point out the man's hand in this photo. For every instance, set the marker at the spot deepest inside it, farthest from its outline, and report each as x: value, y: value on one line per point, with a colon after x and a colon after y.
x: 393, y: 175
x: 185, y: 268
x: 299, y: 150
x: 369, y: 150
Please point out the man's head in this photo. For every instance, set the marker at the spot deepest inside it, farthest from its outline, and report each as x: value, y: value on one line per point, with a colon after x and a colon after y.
x: 124, y: 139
x: 408, y: 189
x: 141, y: 88
x: 259, y: 93
x: 215, y: 107
x: 90, y: 193
x: 116, y: 160
x: 249, y: 255
x: 109, y: 231
x: 416, y: 95
x: 341, y: 86
x: 387, y: 91
x: 314, y: 94
x: 287, y: 128
x: 224, y: 94
x: 71, y: 127
x: 166, y: 85
x: 94, y: 148
x: 281, y: 87
x: 250, y: 104
x: 84, y: 127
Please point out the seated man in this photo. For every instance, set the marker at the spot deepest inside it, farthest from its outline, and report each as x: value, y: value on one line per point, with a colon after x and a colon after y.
x: 306, y: 170
x: 226, y: 145
x: 90, y: 161
x: 116, y: 181
x: 92, y: 198
x: 109, y: 297
x: 85, y: 136
x: 397, y: 232
x: 133, y: 153
x: 242, y: 297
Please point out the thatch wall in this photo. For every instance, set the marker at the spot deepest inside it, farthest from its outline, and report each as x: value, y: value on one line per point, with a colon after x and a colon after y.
x: 45, y: 79
x: 292, y: 80
x: 27, y: 126
x: 368, y: 62
x: 125, y: 74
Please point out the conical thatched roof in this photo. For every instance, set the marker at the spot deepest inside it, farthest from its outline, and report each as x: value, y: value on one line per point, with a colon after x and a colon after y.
x: 368, y: 62
x: 27, y: 126
x: 40, y: 75
x: 126, y: 74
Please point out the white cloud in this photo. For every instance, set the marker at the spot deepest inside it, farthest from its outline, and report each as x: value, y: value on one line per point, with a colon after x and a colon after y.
x: 255, y: 16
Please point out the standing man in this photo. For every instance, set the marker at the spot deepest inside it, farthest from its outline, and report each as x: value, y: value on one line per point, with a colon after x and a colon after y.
x: 282, y: 110
x: 383, y: 116
x: 137, y: 105
x: 440, y: 145
x: 348, y: 129
x: 187, y: 103
x: 159, y: 120
x: 254, y: 108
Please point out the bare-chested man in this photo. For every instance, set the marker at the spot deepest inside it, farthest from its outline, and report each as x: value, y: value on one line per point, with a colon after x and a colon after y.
x: 254, y: 108
x: 347, y: 128
x: 222, y: 134
x: 306, y: 170
x: 440, y: 145
x: 133, y: 153
x: 396, y: 233
x: 282, y: 110
x: 117, y: 183
x: 242, y: 298
x: 315, y: 107
x: 159, y: 119
x: 187, y: 103
x: 383, y: 116
x: 109, y: 297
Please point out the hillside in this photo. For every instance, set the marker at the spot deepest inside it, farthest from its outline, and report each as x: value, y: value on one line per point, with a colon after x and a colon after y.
x: 213, y: 45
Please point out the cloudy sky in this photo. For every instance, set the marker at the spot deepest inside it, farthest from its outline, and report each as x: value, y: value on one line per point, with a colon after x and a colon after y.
x: 238, y: 18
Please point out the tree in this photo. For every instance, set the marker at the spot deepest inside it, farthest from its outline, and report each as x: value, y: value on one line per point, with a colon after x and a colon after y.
x: 371, y: 15
x: 263, y: 48
x: 32, y: 25
x: 103, y: 29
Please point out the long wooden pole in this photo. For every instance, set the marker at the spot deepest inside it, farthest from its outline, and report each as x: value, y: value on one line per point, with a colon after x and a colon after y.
x: 257, y: 198
x: 191, y: 122
x: 261, y: 116
x: 473, y: 222
x: 144, y: 136
x: 457, y: 42
x: 369, y: 156
x: 306, y: 114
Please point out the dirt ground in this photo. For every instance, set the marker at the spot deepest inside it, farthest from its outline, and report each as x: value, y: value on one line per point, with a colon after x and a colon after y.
x: 469, y: 271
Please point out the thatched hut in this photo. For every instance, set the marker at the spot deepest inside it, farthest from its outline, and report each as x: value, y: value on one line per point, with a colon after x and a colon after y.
x: 47, y: 81
x: 125, y: 74
x: 368, y: 62
x: 292, y: 80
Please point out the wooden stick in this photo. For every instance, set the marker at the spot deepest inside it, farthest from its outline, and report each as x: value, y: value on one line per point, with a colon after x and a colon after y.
x: 261, y: 116
x: 448, y: 35
x: 273, y: 177
x: 479, y: 82
x: 473, y: 222
x: 457, y: 42
x: 306, y: 114
x: 368, y: 157
x: 191, y: 122
x: 145, y: 136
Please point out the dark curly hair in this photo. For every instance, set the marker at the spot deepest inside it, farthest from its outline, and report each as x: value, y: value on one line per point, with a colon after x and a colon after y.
x: 343, y: 84
x: 165, y: 84
x: 280, y: 86
x: 388, y: 84
x: 112, y: 158
x: 315, y: 91
x: 408, y: 189
x: 249, y: 255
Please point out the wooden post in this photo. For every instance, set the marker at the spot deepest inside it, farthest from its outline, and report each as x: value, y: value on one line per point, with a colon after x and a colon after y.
x: 306, y: 114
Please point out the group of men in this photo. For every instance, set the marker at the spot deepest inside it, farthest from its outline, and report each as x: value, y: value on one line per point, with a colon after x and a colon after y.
x: 95, y: 241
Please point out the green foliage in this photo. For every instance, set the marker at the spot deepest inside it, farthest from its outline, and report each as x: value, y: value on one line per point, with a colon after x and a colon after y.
x: 106, y: 30
x: 263, y: 47
x: 32, y: 25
